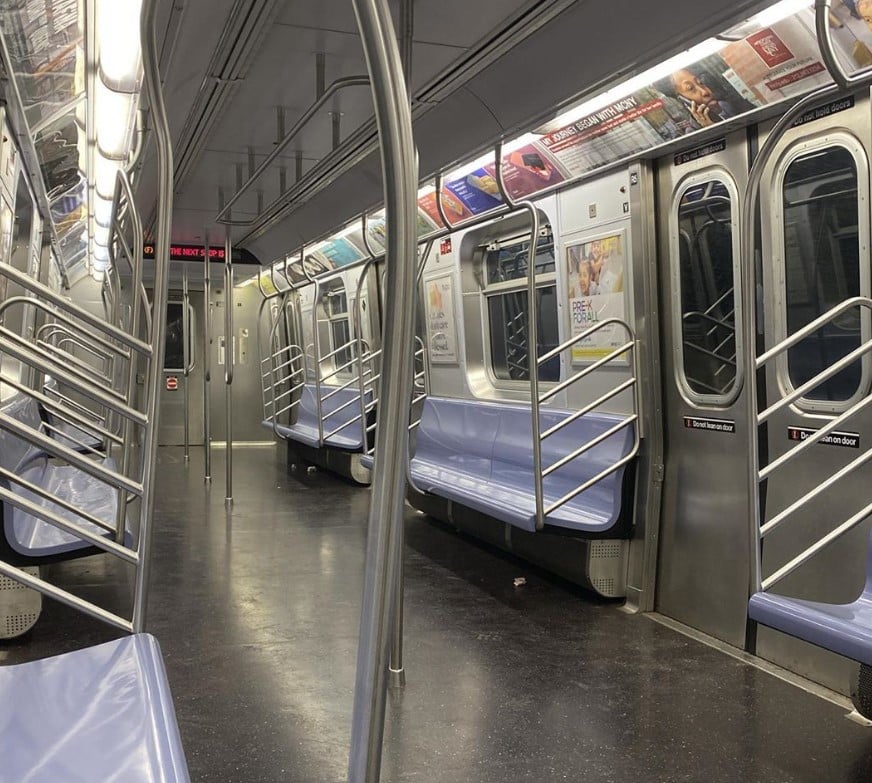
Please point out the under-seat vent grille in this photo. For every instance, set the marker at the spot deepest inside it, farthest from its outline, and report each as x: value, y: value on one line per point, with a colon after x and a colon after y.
x: 20, y: 606
x: 10, y: 584
x: 605, y: 550
x: 604, y: 586
x: 19, y: 624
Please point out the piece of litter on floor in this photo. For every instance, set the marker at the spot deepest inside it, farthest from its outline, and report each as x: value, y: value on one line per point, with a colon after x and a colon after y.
x: 520, y: 581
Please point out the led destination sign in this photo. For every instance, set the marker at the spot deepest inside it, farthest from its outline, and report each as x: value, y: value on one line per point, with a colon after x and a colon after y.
x: 198, y: 253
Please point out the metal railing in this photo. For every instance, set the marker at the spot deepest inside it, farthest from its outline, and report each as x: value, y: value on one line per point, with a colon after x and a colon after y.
x: 765, y: 472
x: 759, y: 473
x: 370, y: 378
x: 535, y: 362
x: 282, y: 370
x: 626, y: 351
x: 132, y: 353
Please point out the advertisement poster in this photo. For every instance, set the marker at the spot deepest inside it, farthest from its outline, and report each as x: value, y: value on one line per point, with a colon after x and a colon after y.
x: 455, y: 210
x: 478, y: 191
x: 441, y: 328
x: 528, y: 170
x: 376, y: 229
x: 596, y: 270
x: 767, y: 66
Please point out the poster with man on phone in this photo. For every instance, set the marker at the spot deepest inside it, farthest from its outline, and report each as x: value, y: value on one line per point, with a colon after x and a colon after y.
x: 704, y: 92
x: 596, y: 293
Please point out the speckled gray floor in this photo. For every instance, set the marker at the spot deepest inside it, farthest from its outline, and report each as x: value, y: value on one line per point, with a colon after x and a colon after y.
x: 257, y: 615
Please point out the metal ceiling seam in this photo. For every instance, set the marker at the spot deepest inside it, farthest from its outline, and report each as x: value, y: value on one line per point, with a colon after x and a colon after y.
x: 362, y: 143
x: 488, y: 51
x: 247, y: 23
x: 525, y: 24
x: 338, y: 85
x: 336, y: 165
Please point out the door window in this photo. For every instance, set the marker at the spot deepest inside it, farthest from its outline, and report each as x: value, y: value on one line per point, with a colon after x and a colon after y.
x: 822, y: 268
x: 706, y: 291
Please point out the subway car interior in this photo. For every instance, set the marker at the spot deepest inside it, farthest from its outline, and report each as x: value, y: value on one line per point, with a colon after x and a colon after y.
x: 409, y: 391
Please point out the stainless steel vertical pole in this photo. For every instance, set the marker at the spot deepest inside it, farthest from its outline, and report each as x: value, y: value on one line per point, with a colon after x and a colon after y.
x: 399, y: 164
x: 161, y: 270
x: 396, y: 670
x: 207, y: 360
x: 186, y: 354
x: 228, y: 363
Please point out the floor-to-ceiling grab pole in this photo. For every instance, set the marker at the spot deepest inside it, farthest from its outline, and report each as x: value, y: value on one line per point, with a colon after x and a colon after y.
x: 396, y: 669
x: 399, y: 165
x: 161, y: 272
x: 207, y: 360
x: 228, y: 363
x: 186, y: 354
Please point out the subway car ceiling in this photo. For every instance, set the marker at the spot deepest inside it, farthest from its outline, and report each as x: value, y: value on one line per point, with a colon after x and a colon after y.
x: 241, y: 74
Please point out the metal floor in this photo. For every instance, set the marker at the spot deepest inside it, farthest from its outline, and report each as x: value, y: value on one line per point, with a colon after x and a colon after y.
x: 257, y: 614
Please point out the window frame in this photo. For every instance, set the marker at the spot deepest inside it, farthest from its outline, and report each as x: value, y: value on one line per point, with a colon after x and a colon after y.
x: 800, y: 149
x: 488, y: 290
x: 690, y: 395
x: 337, y: 289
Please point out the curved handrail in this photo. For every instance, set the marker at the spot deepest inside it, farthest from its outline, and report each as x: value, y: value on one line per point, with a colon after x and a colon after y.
x: 306, y: 117
x: 843, y: 79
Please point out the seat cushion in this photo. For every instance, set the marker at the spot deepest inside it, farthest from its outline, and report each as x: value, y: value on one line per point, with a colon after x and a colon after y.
x: 845, y: 629
x: 32, y: 537
x: 99, y: 714
x: 480, y: 454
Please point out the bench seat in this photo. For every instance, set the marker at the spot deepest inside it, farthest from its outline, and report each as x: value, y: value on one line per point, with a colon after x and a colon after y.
x: 845, y: 629
x: 305, y: 429
x: 27, y: 540
x: 480, y: 455
x: 99, y: 714
x: 32, y: 537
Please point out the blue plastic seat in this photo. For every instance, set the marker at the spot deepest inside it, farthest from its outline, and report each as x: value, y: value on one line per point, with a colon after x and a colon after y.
x: 99, y: 714
x: 845, y: 629
x: 344, y: 424
x: 480, y: 454
x: 26, y: 539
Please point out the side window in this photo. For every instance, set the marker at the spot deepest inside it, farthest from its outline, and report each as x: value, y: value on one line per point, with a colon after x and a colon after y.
x: 335, y: 303
x: 706, y: 289
x: 822, y: 268
x: 508, y: 315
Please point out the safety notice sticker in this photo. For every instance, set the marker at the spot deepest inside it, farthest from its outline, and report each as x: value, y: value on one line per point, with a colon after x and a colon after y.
x: 712, y: 425
x: 847, y: 440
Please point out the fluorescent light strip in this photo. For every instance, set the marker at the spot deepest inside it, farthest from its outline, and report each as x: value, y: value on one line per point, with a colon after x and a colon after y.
x: 118, y: 43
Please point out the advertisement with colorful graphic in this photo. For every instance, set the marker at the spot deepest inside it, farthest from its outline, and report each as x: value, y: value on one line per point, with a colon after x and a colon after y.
x: 376, y: 229
x: 596, y: 269
x: 767, y: 66
x: 455, y: 210
x: 441, y: 329
x: 478, y: 191
x: 527, y: 170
